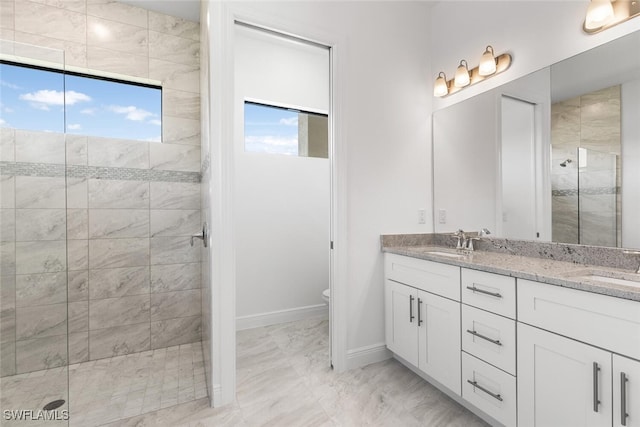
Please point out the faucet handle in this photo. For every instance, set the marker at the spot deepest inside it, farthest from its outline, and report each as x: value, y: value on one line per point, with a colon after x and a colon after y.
x: 483, y: 232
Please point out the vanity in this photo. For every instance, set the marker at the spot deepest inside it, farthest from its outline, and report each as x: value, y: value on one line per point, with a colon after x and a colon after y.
x: 520, y: 340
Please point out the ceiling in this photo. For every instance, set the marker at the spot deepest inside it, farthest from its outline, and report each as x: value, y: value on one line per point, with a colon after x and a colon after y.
x: 187, y: 9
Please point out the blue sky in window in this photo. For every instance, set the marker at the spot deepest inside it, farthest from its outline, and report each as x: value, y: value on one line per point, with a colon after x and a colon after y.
x: 270, y: 130
x: 35, y: 99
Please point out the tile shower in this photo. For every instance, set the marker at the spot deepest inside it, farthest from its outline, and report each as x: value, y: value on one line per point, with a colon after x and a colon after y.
x: 586, y: 168
x: 96, y: 264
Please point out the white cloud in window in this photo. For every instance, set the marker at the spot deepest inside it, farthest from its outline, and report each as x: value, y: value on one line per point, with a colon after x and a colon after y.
x: 3, y: 122
x: 88, y: 111
x: 289, y: 121
x: 74, y: 126
x: 271, y: 144
x: 156, y: 122
x: 9, y: 85
x: 42, y: 99
x: 5, y: 109
x: 132, y: 113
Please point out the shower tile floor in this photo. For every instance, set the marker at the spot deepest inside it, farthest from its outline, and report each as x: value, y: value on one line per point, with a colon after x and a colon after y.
x: 284, y: 379
x: 106, y: 390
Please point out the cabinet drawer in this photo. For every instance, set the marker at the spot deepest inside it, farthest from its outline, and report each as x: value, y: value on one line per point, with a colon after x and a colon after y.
x: 604, y: 321
x: 494, y: 391
x: 488, y: 291
x: 434, y: 277
x: 489, y: 337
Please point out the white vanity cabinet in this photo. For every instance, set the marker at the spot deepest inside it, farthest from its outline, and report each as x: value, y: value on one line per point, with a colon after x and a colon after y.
x: 489, y: 343
x: 422, y: 325
x: 569, y: 366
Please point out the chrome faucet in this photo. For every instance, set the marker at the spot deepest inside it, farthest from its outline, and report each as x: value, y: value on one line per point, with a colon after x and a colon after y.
x: 462, y: 239
x: 480, y: 235
x: 633, y: 253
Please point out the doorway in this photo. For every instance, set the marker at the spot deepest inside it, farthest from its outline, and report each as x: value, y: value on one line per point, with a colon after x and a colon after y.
x: 282, y: 175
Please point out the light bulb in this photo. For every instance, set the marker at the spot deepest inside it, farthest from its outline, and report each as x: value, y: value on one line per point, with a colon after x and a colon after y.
x: 599, y: 13
x: 487, y: 63
x: 462, y: 75
x: 440, y: 87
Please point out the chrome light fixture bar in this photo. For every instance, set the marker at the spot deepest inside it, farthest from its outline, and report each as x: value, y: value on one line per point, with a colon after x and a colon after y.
x: 604, y: 14
x: 489, y: 66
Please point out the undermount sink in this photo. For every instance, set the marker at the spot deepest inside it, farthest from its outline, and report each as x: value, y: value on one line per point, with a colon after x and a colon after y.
x: 446, y: 254
x: 613, y: 278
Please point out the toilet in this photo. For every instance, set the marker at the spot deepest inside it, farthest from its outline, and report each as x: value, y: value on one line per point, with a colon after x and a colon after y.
x: 326, y: 296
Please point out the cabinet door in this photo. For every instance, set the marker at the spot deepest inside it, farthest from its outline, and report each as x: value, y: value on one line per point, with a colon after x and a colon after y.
x: 560, y: 380
x: 439, y: 339
x: 401, y: 320
x: 626, y: 395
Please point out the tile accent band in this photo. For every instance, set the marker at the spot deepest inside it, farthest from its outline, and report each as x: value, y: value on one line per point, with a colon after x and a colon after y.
x: 96, y: 172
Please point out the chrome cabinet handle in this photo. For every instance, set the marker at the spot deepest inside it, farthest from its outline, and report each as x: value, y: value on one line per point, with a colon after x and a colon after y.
x: 596, y: 400
x: 623, y: 398
x: 481, y: 291
x: 203, y: 235
x: 478, y: 386
x: 411, y: 316
x: 419, y: 319
x: 475, y: 334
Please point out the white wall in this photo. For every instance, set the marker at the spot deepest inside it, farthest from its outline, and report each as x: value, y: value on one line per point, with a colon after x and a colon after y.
x: 282, y: 202
x: 630, y: 141
x: 536, y: 33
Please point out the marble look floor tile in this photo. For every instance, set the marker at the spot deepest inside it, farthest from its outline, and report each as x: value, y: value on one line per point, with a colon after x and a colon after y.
x: 169, y: 305
x: 174, y: 49
x: 179, y: 331
x: 117, y: 62
x: 76, y: 146
x: 175, y: 157
x: 77, y: 224
x: 8, y: 192
x: 40, y: 257
x: 34, y: 192
x: 115, y: 253
x: 176, y: 103
x: 7, y: 225
x: 171, y: 250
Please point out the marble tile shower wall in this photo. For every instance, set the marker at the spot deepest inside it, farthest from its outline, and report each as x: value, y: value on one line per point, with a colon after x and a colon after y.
x: 122, y: 225
x: 590, y: 121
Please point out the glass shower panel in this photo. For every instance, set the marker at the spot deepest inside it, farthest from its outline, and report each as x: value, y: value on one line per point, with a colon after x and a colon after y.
x: 34, y: 345
x: 597, y: 190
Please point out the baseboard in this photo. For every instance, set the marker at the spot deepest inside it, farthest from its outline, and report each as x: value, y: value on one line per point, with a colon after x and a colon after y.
x: 367, y: 355
x: 281, y: 316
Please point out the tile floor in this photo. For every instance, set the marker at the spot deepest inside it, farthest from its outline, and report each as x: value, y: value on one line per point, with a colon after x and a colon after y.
x: 284, y: 379
x: 105, y: 390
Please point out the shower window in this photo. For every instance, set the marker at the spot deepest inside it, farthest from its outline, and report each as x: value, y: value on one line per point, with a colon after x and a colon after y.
x: 277, y: 130
x: 96, y: 106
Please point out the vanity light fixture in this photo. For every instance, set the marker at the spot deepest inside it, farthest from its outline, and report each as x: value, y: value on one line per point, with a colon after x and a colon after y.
x: 440, y: 87
x: 487, y: 62
x: 462, y: 78
x: 603, y: 14
x: 490, y: 65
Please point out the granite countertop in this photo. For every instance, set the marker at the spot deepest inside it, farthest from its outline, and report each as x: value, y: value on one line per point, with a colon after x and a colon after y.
x: 554, y: 272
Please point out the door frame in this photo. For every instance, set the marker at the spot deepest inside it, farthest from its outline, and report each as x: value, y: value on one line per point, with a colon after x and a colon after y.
x: 221, y: 19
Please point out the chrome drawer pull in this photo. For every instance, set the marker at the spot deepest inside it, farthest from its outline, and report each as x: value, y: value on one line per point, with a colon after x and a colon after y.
x: 596, y: 400
x: 475, y: 334
x: 623, y: 398
x: 411, y: 316
x: 476, y: 385
x: 474, y: 289
x: 419, y: 310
